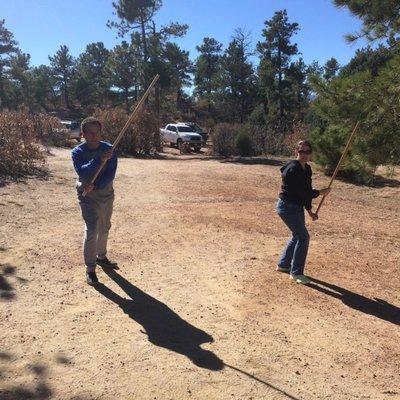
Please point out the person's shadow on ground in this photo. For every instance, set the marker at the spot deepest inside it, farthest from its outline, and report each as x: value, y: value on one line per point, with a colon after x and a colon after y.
x: 376, y: 307
x: 163, y: 326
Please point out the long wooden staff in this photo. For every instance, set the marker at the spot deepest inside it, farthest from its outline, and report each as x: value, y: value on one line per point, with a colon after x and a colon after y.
x: 126, y: 126
x: 339, y: 164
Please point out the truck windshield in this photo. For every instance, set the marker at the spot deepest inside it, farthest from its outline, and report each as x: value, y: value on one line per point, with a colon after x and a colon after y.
x: 185, y: 129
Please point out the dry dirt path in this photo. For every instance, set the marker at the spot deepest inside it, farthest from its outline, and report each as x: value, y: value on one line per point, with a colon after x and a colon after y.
x: 196, y: 310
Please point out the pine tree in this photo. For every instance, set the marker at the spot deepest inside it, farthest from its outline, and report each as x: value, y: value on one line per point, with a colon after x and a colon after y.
x: 63, y: 67
x: 237, y: 77
x: 179, y: 69
x: 207, y: 68
x: 331, y: 68
x: 92, y: 82
x: 123, y: 71
x: 275, y: 54
x: 8, y: 47
x: 137, y: 17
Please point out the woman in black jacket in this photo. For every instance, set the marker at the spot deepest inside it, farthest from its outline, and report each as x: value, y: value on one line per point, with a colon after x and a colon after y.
x: 297, y: 194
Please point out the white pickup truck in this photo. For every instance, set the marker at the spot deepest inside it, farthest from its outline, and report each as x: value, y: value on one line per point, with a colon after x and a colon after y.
x: 72, y: 129
x: 181, y: 135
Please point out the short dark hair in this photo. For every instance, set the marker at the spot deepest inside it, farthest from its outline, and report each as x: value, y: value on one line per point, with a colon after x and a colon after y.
x: 90, y: 121
x: 303, y: 143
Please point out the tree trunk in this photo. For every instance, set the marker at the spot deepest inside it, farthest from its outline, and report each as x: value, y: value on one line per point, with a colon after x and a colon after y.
x: 280, y: 83
x: 1, y: 88
x: 126, y: 92
x: 157, y: 100
x: 66, y: 95
x: 178, y: 98
x: 144, y: 41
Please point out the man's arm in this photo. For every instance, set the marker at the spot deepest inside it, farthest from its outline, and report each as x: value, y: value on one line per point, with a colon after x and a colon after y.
x: 82, y: 168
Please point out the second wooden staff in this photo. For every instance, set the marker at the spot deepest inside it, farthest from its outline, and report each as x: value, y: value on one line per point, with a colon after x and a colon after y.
x: 345, y: 151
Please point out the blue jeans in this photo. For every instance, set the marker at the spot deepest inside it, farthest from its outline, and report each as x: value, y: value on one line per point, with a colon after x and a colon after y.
x: 295, y: 253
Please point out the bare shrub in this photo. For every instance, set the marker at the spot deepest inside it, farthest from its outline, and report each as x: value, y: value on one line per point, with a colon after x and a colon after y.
x: 49, y: 130
x: 266, y: 139
x: 142, y: 137
x: 20, y: 152
x: 300, y: 132
x: 224, y: 139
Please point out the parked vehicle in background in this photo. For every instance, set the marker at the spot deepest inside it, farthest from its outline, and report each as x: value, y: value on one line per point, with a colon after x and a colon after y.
x: 73, y: 129
x: 181, y: 135
x: 197, y: 129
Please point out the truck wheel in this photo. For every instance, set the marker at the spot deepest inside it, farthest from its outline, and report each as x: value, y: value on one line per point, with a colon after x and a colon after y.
x: 197, y: 148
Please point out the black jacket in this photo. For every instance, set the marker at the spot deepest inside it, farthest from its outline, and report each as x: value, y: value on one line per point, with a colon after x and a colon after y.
x: 296, y: 184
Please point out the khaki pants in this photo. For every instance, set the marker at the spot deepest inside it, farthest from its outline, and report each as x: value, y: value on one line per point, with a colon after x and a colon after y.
x: 96, y: 207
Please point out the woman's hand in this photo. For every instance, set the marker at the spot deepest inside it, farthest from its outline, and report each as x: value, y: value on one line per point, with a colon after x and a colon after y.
x: 324, y: 192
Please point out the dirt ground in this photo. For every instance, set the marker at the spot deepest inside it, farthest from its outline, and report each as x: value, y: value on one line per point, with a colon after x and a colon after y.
x: 197, y: 310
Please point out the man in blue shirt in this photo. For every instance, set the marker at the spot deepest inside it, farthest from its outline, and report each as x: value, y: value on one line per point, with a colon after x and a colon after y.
x: 97, y: 204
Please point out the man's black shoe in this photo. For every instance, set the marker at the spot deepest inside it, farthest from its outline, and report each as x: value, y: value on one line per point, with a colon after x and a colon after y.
x: 106, y: 263
x: 91, y: 278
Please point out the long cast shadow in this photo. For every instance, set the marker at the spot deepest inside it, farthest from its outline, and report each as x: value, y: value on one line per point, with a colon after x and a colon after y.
x: 377, y: 307
x: 167, y: 329
x: 163, y: 326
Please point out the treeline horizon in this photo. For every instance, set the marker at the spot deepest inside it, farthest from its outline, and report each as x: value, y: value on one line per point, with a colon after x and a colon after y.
x: 100, y: 76
x: 278, y: 98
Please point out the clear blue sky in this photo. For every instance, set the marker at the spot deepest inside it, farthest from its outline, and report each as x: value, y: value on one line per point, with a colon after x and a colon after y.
x: 41, y: 26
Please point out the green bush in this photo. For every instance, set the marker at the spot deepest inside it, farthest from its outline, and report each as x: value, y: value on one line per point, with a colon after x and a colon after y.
x: 243, y: 144
x: 257, y: 117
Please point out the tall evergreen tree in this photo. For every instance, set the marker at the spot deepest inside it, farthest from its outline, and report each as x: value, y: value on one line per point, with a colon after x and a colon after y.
x: 123, y: 71
x: 63, y: 66
x: 92, y: 82
x: 207, y: 68
x: 179, y: 69
x: 8, y: 47
x: 297, y: 88
x: 43, y: 83
x: 137, y: 17
x: 237, y: 76
x: 275, y: 53
x: 331, y: 68
x: 20, y: 75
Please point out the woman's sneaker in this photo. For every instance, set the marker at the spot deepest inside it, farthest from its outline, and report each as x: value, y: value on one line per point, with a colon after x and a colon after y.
x: 302, y: 279
x: 91, y: 278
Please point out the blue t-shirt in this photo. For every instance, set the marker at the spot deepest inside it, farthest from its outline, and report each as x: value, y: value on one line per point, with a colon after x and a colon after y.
x: 87, y: 162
